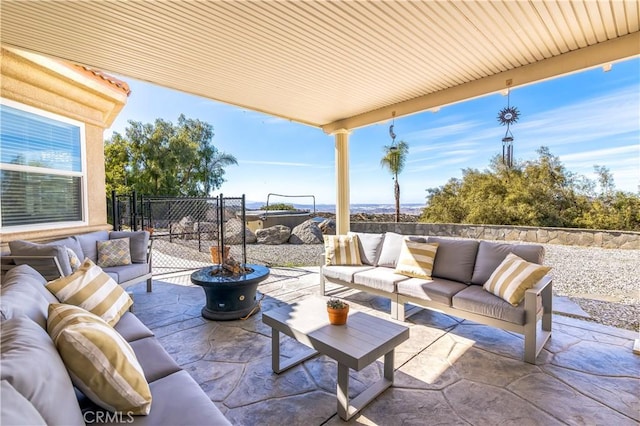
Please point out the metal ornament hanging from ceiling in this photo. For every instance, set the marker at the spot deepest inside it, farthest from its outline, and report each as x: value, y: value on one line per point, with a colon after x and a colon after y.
x: 393, y: 146
x: 508, y: 116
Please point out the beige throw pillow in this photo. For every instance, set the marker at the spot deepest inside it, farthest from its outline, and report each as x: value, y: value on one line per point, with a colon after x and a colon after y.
x: 74, y: 260
x: 100, y: 362
x: 114, y: 252
x: 92, y: 289
x: 416, y: 259
x: 342, y: 250
x: 513, y: 277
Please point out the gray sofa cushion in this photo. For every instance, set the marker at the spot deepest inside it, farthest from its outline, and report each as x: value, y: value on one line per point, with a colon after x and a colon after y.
x: 154, y: 360
x: 88, y: 243
x: 370, y: 246
x: 27, y: 248
x: 491, y: 254
x: 438, y: 290
x: 379, y: 278
x: 124, y: 273
x: 391, y: 246
x: 477, y: 300
x: 131, y: 328
x: 455, y: 259
x: 23, y: 292
x: 31, y: 363
x: 73, y: 244
x: 139, y: 241
x: 178, y: 400
x: 15, y: 409
x: 343, y: 273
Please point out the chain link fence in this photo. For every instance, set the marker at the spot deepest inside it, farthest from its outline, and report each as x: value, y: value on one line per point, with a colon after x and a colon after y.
x: 186, y: 232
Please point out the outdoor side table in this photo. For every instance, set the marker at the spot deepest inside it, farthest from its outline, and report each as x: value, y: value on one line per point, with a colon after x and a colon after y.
x: 361, y: 341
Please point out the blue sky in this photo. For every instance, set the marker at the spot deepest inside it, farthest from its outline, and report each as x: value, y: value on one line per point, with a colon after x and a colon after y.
x: 587, y: 118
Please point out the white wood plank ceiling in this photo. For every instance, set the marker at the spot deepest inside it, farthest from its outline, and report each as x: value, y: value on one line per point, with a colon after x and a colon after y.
x: 330, y: 64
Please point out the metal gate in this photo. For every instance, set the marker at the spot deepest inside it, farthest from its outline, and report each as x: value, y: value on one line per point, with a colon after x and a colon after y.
x: 184, y: 229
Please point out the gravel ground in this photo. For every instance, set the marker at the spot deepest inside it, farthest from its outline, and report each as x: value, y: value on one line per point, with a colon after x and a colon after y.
x: 603, y: 282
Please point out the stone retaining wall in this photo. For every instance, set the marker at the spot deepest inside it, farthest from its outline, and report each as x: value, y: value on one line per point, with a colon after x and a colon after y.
x: 565, y: 236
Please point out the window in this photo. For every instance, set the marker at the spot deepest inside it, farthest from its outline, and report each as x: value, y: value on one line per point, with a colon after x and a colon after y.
x: 42, y: 171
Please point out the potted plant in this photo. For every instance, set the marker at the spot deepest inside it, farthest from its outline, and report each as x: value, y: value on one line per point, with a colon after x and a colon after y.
x: 337, y: 310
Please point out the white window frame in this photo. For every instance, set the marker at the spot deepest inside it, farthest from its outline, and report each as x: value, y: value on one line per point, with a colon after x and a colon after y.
x: 23, y: 168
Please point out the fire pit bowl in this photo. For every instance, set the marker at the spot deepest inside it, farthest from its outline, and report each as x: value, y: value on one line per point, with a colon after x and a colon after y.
x: 229, y: 296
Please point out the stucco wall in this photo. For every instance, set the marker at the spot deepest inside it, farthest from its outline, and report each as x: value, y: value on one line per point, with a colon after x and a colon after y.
x: 565, y: 236
x: 68, y: 91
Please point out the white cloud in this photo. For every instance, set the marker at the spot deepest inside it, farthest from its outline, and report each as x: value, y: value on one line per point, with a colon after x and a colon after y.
x: 598, y: 154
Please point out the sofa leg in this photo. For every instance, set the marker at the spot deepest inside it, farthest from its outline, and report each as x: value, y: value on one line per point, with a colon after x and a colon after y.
x: 322, y: 286
x: 149, y: 288
x: 397, y: 310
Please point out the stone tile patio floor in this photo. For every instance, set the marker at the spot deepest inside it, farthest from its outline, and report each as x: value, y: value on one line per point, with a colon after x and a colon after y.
x: 449, y: 372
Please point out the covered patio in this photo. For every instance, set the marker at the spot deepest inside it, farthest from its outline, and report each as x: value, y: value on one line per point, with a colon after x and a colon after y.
x: 448, y: 372
x: 337, y: 65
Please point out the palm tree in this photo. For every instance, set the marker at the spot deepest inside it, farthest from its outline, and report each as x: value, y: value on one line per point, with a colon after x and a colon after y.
x: 394, y: 158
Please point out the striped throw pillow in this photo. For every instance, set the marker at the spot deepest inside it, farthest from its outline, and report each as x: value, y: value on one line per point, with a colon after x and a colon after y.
x: 114, y: 252
x: 416, y: 259
x: 342, y: 250
x: 100, y: 362
x: 92, y: 289
x: 513, y: 277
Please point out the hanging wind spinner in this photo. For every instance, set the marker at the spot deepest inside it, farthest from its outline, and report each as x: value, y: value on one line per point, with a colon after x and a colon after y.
x: 508, y: 116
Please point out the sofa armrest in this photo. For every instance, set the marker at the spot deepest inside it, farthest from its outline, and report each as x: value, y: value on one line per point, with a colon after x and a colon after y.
x: 150, y: 253
x: 546, y: 281
x: 544, y: 289
x: 535, y: 337
x: 48, y: 266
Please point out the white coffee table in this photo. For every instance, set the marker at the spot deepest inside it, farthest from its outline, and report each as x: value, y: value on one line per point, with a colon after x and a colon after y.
x: 355, y: 345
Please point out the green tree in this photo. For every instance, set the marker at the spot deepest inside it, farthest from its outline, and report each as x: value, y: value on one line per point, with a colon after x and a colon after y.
x: 539, y: 192
x: 161, y: 158
x: 394, y: 159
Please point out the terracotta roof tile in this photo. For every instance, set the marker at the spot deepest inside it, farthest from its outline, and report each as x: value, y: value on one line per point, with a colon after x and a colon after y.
x: 106, y: 78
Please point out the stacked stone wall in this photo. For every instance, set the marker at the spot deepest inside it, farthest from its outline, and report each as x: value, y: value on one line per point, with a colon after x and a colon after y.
x: 564, y: 236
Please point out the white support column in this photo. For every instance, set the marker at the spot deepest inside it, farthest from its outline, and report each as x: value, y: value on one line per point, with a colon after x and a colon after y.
x: 343, y: 214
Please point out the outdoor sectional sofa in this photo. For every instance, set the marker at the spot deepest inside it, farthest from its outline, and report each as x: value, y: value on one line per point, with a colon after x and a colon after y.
x: 52, y: 259
x: 460, y: 268
x: 37, y: 388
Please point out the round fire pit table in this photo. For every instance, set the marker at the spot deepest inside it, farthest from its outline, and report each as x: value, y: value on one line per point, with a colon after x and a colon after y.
x: 229, y: 297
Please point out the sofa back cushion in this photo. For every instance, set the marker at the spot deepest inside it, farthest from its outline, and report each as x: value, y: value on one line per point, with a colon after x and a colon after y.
x: 23, y: 292
x: 28, y: 248
x: 15, y: 409
x: 139, y: 241
x: 33, y: 367
x: 71, y: 243
x: 89, y: 245
x: 391, y: 246
x: 491, y: 255
x: 370, y: 245
x: 455, y: 259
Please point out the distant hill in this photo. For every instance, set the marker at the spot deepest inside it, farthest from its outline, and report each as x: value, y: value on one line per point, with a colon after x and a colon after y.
x: 410, y: 209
